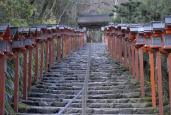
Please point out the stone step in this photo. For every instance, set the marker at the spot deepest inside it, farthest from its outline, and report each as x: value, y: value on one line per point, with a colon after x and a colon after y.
x: 109, y: 91
x: 121, y: 87
x: 39, y: 109
x: 42, y: 90
x: 57, y: 88
x: 44, y: 103
x: 50, y: 95
x: 115, y: 110
x: 115, y: 96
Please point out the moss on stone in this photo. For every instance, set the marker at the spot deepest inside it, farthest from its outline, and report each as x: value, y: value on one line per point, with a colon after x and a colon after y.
x: 146, y: 99
x: 22, y: 105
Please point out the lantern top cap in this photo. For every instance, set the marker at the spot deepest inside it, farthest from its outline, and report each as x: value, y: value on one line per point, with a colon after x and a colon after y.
x: 4, y: 26
x: 123, y: 27
x: 42, y: 26
x: 33, y: 29
x: 140, y: 29
x: 158, y: 25
x: 24, y: 30
x: 13, y: 31
x: 133, y: 29
x: 168, y: 20
x: 147, y: 28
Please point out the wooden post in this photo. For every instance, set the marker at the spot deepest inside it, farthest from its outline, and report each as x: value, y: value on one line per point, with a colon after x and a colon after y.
x: 152, y: 79
x: 136, y: 65
x: 113, y: 48
x: 25, y: 76
x: 169, y: 70
x: 52, y: 46
x: 133, y: 60
x: 142, y: 73
x: 46, y: 56
x: 50, y: 54
x: 120, y: 51
x: 125, y: 54
x: 116, y: 48
x: 59, y: 49
x: 41, y: 63
x: 16, y: 82
x: 129, y: 54
x: 2, y: 85
x: 108, y: 44
x: 159, y: 81
x: 36, y: 62
x: 68, y: 44
x: 30, y: 69
x: 65, y: 45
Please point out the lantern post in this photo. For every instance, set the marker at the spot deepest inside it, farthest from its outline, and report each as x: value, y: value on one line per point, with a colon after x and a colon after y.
x: 133, y: 33
x: 17, y: 47
x: 23, y: 36
x: 166, y: 48
x: 123, y: 30
x: 139, y: 43
x: 156, y: 43
x: 58, y: 44
x: 4, y: 34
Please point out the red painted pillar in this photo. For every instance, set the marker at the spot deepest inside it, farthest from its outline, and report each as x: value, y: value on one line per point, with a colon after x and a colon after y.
x: 41, y: 63
x: 46, y: 56
x: 159, y: 81
x: 108, y: 44
x: 50, y: 54
x: 2, y: 85
x: 30, y: 69
x: 65, y: 50
x: 36, y: 62
x: 72, y: 44
x: 113, y: 47
x: 117, y: 42
x: 116, y: 48
x: 153, y: 90
x: 120, y: 44
x: 133, y: 60
x: 59, y: 49
x: 16, y: 82
x: 52, y: 46
x: 136, y: 65
x: 68, y: 41
x: 129, y: 54
x: 169, y: 70
x: 125, y: 54
x: 25, y: 76
x: 142, y: 73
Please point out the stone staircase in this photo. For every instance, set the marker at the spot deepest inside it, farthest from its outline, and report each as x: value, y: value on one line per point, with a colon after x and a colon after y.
x: 111, y: 89
x: 63, y: 81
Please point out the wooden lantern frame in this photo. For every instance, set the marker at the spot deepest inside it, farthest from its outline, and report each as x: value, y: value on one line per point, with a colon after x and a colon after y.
x: 157, y: 34
x: 167, y: 33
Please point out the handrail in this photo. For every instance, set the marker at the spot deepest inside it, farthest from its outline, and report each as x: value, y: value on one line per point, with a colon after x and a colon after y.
x: 70, y: 102
x: 85, y: 88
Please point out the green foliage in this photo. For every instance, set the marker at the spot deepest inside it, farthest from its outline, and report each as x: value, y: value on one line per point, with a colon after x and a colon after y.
x: 17, y: 12
x: 136, y: 11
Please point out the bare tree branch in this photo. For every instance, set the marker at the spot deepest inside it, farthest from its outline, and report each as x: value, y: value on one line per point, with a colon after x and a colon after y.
x: 59, y: 20
x: 51, y: 9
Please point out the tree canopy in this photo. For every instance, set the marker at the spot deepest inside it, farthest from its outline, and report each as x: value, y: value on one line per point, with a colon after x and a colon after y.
x: 135, y: 11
